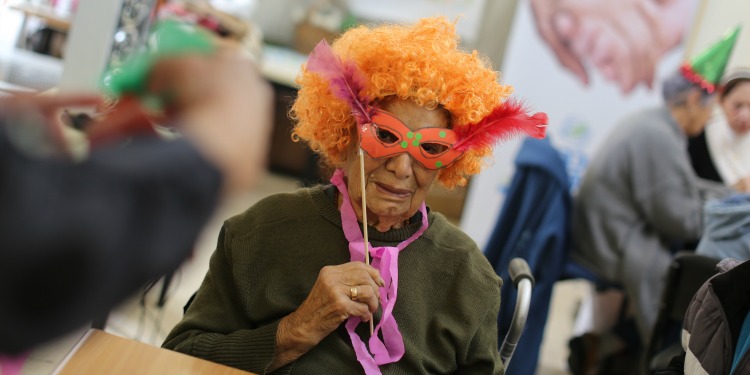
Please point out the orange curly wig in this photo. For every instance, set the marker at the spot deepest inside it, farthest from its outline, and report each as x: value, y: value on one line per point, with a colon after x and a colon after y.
x: 421, y: 63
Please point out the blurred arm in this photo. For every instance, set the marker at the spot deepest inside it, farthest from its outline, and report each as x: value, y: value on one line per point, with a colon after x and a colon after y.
x: 80, y: 238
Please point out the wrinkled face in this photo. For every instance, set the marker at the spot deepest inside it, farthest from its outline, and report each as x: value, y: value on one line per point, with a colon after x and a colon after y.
x: 396, y: 185
x: 736, y: 106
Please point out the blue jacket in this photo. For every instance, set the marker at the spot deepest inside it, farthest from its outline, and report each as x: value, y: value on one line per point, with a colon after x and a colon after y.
x: 534, y: 225
x: 727, y: 228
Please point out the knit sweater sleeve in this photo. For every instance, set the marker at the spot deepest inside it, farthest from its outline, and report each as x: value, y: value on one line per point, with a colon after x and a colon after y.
x: 217, y: 331
x: 482, y: 356
x: 473, y: 290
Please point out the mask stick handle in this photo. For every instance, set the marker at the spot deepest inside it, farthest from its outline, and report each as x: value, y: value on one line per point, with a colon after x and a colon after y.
x: 364, y: 214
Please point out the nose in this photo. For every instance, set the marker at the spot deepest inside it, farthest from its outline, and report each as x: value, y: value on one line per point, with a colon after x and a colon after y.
x: 400, y: 165
x: 744, y: 113
x: 741, y: 122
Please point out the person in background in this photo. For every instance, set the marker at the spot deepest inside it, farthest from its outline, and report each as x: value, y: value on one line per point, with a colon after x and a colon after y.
x: 393, y: 108
x: 716, y: 328
x: 79, y: 237
x: 722, y: 152
x: 640, y: 200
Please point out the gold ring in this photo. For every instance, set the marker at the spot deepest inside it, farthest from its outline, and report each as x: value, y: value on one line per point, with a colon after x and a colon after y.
x: 354, y: 292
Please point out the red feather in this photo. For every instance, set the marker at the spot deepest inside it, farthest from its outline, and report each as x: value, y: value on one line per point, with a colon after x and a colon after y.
x: 346, y: 80
x: 505, y: 121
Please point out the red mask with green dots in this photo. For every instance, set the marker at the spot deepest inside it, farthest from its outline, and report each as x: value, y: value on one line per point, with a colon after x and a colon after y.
x: 387, y: 136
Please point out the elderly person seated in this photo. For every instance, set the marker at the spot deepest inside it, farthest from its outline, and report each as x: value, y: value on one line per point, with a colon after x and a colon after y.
x: 289, y: 283
x: 722, y: 152
x: 640, y: 200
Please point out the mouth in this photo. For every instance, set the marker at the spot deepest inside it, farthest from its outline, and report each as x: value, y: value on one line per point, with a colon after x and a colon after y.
x: 393, y: 191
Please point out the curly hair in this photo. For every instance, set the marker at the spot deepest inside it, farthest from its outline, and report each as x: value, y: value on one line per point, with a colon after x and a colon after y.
x: 421, y: 63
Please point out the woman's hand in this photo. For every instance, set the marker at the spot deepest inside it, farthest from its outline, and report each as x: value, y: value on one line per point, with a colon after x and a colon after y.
x: 33, y: 122
x: 226, y: 109
x: 341, y: 291
x: 617, y: 38
x: 624, y: 40
x: 544, y: 12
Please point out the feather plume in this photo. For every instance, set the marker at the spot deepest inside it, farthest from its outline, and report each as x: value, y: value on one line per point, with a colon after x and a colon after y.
x: 505, y: 121
x: 346, y: 80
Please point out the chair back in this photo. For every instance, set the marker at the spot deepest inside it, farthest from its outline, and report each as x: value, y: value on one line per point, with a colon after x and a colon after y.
x: 523, y: 280
x: 533, y: 225
x: 687, y: 273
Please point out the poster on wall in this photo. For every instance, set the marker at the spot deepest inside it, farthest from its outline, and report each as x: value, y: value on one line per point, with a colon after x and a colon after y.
x: 587, y: 64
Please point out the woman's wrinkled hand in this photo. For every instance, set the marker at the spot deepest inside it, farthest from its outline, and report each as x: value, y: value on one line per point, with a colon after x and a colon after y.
x: 225, y: 107
x: 544, y: 12
x: 623, y: 40
x: 340, y: 292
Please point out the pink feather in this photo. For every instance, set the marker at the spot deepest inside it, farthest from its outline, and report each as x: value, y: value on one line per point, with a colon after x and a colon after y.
x: 346, y: 80
x: 505, y: 121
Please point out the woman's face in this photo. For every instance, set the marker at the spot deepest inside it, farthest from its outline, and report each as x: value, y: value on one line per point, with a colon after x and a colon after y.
x: 395, y: 186
x: 736, y: 106
x: 698, y: 111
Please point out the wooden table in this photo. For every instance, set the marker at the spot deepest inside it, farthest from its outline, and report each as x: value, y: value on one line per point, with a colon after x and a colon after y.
x: 99, y: 352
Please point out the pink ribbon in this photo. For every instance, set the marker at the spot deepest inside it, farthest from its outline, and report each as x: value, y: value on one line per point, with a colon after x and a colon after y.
x: 385, y: 260
x: 12, y: 365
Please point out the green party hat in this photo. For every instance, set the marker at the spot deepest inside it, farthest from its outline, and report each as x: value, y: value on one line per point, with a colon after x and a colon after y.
x: 708, y: 67
x: 169, y: 38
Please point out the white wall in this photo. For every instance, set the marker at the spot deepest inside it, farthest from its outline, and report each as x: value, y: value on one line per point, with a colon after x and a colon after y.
x: 714, y: 19
x: 89, y: 44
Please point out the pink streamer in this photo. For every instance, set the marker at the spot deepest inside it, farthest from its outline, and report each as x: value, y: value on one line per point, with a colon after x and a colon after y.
x: 385, y: 260
x: 12, y: 365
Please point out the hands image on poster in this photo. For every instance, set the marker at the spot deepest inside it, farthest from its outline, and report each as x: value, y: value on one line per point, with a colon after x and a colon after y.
x: 623, y: 39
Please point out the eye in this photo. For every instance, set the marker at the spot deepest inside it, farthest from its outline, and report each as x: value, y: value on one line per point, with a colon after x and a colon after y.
x: 434, y: 148
x: 386, y: 136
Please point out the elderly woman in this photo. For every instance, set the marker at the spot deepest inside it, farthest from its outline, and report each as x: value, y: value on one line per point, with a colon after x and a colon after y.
x: 289, y: 283
x: 722, y: 152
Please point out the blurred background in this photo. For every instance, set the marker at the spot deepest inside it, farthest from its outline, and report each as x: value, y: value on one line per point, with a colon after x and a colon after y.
x: 65, y: 45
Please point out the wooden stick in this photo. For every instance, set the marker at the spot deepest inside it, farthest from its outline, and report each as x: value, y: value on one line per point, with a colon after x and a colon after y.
x: 364, y: 214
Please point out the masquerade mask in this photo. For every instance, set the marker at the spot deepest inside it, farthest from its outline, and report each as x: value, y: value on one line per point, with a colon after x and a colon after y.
x: 386, y: 136
x: 383, y: 135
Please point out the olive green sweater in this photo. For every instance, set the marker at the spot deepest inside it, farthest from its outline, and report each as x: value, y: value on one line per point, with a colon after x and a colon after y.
x: 268, y: 258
